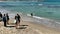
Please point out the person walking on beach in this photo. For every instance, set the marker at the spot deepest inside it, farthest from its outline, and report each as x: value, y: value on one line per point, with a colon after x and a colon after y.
x: 7, y: 16
x: 4, y: 20
x: 0, y: 16
x: 17, y: 18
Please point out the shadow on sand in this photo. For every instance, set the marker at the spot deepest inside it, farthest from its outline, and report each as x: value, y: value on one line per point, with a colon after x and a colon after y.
x: 23, y: 27
x: 20, y: 26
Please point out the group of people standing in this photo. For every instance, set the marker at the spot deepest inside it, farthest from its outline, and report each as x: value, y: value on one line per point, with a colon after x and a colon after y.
x: 5, y: 19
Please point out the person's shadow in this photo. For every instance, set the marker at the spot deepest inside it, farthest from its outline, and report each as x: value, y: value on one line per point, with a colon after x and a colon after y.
x: 20, y: 26
x: 23, y: 26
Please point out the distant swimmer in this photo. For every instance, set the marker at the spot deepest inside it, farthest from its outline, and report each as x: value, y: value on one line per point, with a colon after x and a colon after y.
x: 31, y: 14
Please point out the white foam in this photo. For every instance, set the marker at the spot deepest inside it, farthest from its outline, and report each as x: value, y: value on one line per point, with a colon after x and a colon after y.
x: 40, y: 4
x: 28, y: 15
x: 3, y: 11
x: 43, y: 19
x: 36, y: 16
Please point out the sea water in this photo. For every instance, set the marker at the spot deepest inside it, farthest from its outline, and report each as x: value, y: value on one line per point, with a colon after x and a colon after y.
x: 50, y: 10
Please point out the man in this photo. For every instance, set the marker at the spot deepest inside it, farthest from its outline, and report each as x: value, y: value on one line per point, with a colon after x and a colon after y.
x: 4, y: 20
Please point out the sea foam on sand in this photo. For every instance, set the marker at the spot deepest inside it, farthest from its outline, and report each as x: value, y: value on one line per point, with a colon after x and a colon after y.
x: 45, y: 21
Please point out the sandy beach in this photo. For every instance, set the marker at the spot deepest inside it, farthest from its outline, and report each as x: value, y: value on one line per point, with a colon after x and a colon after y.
x: 27, y: 27
x: 40, y: 23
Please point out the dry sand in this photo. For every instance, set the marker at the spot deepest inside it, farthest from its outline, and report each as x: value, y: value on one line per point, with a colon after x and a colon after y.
x: 28, y: 28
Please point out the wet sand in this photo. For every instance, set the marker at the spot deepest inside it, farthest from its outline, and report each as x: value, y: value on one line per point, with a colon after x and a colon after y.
x: 27, y: 27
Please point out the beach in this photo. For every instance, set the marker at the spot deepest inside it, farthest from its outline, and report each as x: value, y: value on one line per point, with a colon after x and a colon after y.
x: 27, y: 27
x: 30, y: 25
x: 45, y: 19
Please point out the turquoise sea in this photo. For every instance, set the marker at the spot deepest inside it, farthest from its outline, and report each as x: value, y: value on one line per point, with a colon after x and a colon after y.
x: 49, y: 10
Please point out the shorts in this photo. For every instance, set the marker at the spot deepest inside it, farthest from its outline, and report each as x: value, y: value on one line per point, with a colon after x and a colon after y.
x: 17, y: 22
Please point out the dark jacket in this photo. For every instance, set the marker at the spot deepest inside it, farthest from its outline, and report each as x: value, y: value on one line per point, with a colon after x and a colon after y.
x: 4, y: 18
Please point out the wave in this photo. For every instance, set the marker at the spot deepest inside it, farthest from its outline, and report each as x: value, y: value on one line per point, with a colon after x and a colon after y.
x: 4, y: 11
x: 36, y: 17
x: 45, y: 21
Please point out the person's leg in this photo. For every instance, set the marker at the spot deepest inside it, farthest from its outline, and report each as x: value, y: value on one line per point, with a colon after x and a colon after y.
x: 5, y: 23
x: 16, y: 25
x: 19, y: 23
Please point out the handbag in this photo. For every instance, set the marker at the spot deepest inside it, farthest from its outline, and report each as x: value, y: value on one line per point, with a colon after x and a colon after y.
x: 14, y: 21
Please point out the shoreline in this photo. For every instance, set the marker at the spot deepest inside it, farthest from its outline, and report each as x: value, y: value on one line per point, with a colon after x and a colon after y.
x: 39, y: 26
x: 39, y: 20
x: 31, y: 28
x: 47, y: 22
